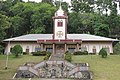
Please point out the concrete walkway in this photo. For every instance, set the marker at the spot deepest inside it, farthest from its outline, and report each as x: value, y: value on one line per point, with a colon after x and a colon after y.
x: 57, y: 57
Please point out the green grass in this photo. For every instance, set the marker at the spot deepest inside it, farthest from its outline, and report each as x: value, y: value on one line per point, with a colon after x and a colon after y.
x: 103, y: 68
x: 14, y: 63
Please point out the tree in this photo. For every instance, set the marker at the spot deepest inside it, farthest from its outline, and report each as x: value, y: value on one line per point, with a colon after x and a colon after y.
x: 82, y: 6
x: 1, y: 49
x: 116, y: 49
x: 48, y: 1
x: 114, y: 20
x: 101, y: 29
x: 103, y: 5
x: 4, y: 25
x: 103, y: 53
x: 17, y: 50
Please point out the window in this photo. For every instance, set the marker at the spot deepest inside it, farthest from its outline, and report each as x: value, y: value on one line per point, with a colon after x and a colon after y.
x: 83, y: 48
x: 94, y: 49
x: 27, y: 49
x: 37, y: 49
x: 49, y: 49
x: 60, y: 23
x: 71, y: 50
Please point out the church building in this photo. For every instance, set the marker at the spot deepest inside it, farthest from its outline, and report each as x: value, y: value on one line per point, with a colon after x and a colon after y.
x: 60, y: 41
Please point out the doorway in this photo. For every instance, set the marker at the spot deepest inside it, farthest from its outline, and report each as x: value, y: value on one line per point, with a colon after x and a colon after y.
x: 60, y: 48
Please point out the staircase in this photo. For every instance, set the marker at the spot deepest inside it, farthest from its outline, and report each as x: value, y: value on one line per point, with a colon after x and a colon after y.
x: 41, y: 64
x: 57, y: 57
x: 56, y: 67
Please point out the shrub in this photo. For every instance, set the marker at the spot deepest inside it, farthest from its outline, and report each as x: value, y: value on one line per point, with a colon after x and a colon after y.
x: 48, y: 54
x: 43, y: 53
x: 68, y: 56
x: 92, y: 53
x: 24, y: 53
x: 103, y: 53
x: 116, y: 49
x: 1, y: 49
x: 17, y: 50
x: 36, y: 53
x: 85, y: 52
x: 81, y: 53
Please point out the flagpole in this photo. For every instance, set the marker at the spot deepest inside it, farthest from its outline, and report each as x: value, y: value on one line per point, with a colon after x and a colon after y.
x: 6, y: 66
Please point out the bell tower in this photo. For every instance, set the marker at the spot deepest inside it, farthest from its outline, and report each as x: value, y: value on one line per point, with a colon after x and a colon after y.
x: 60, y: 24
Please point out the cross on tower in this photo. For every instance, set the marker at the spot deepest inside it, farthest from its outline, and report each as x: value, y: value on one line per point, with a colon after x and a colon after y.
x: 59, y: 34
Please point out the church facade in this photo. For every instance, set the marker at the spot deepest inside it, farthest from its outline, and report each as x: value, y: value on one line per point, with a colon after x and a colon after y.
x: 60, y: 41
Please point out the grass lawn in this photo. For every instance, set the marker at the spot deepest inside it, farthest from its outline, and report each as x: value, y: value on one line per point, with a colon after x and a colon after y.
x: 14, y: 63
x: 104, y: 69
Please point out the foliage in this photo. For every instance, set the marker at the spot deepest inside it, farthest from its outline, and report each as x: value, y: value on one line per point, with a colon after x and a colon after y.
x: 101, y: 29
x: 20, y: 18
x: 40, y: 53
x: 103, y: 53
x: 82, y: 5
x: 116, y: 49
x: 4, y: 25
x: 25, y: 53
x: 81, y: 53
x: 1, y: 49
x: 17, y: 50
x: 48, y: 54
x: 68, y: 56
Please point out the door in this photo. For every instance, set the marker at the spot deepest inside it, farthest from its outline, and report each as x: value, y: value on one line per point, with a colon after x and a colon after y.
x: 60, y: 49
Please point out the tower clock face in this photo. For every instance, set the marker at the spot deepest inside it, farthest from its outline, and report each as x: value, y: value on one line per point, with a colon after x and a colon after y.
x: 59, y: 34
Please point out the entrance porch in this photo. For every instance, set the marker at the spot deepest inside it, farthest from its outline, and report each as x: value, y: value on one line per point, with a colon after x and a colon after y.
x: 60, y: 46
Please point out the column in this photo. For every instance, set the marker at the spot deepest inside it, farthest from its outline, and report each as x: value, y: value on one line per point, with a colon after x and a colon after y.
x: 53, y: 48
x: 77, y: 46
x: 65, y: 47
x: 42, y: 47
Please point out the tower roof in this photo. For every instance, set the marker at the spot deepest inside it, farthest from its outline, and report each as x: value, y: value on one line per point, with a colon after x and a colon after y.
x: 59, y: 12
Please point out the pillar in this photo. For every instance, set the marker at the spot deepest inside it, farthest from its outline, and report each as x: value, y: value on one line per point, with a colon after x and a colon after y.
x: 77, y: 46
x: 42, y: 49
x: 53, y: 48
x: 65, y: 47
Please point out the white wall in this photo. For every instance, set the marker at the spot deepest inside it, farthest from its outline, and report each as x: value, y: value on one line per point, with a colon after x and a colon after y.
x: 24, y: 45
x: 89, y: 46
x: 60, y: 29
x: 98, y: 45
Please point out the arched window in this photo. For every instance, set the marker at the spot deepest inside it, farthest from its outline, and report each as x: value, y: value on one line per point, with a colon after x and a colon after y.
x: 37, y: 48
x: 83, y: 48
x: 27, y: 49
x: 94, y: 49
x: 60, y: 23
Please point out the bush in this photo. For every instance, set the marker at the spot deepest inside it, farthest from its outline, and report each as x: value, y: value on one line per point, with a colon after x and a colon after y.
x: 81, y: 53
x: 103, y: 53
x: 92, y: 53
x: 17, y: 50
x: 24, y: 53
x: 85, y: 52
x: 39, y: 53
x: 36, y: 53
x: 68, y: 56
x: 43, y: 53
x: 48, y: 54
x: 1, y: 49
x: 116, y: 49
